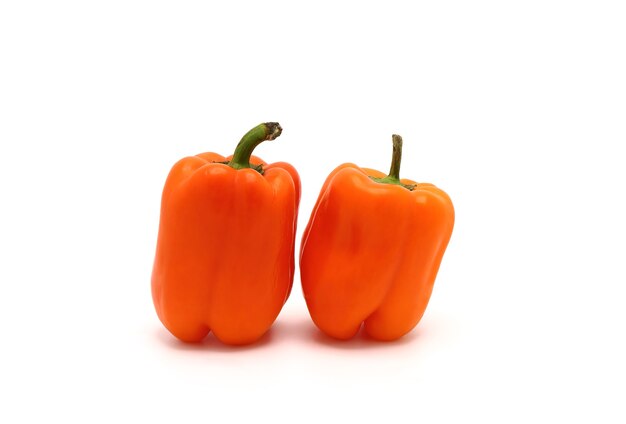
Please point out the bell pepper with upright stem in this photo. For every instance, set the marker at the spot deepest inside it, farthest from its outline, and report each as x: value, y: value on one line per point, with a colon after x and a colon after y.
x: 371, y: 250
x: 225, y: 250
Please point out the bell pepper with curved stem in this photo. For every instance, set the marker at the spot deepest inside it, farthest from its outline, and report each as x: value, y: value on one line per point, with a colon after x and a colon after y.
x: 225, y: 250
x: 371, y: 250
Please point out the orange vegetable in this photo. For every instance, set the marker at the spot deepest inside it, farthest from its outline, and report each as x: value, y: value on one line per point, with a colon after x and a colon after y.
x: 371, y: 250
x: 225, y: 251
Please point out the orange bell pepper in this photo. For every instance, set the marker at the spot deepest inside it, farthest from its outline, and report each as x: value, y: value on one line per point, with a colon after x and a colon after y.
x: 371, y: 250
x: 225, y: 250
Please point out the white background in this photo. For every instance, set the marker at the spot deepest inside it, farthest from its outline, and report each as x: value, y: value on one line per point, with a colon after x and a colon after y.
x: 516, y: 109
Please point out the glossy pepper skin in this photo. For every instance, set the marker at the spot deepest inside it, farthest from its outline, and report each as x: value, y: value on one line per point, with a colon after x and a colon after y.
x: 225, y: 250
x: 371, y: 251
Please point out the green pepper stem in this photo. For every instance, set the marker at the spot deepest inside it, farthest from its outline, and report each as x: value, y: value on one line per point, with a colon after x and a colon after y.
x: 394, y: 171
x: 254, y: 137
x: 396, y: 158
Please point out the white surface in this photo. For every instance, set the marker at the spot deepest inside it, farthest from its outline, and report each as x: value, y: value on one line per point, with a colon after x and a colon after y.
x: 515, y: 109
